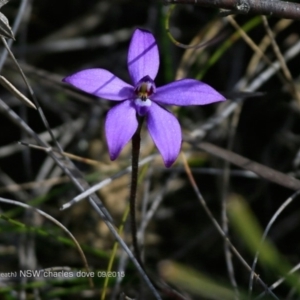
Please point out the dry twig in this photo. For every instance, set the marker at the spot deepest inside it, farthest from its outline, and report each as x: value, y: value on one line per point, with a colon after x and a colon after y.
x: 281, y: 9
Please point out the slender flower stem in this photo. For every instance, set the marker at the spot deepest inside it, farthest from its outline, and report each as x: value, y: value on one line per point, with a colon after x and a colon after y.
x: 136, y: 143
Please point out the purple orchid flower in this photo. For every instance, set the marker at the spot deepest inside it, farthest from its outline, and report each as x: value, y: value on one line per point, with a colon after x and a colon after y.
x: 142, y: 98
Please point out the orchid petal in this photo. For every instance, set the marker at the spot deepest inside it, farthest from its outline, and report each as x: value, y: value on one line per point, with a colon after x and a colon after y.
x: 143, y: 56
x: 165, y: 132
x: 186, y: 92
x: 120, y: 125
x: 101, y: 83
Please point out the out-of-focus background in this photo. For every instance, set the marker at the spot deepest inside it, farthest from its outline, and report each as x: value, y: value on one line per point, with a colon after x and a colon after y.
x: 180, y: 243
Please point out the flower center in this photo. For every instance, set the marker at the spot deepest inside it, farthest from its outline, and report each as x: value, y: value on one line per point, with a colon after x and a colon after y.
x: 143, y: 90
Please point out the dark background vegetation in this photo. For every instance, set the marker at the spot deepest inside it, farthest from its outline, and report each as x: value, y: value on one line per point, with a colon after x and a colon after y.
x: 267, y: 131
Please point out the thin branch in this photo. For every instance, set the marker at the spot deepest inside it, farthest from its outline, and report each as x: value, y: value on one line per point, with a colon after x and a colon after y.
x: 88, y: 192
x: 281, y: 9
x: 11, y: 88
x: 285, y: 80
x: 280, y: 26
x: 85, y: 160
x: 271, y: 222
x: 291, y: 86
x: 155, y: 204
x: 243, y: 162
x: 279, y: 281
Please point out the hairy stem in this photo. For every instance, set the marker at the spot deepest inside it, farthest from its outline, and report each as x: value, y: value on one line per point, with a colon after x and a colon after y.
x: 136, y: 142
